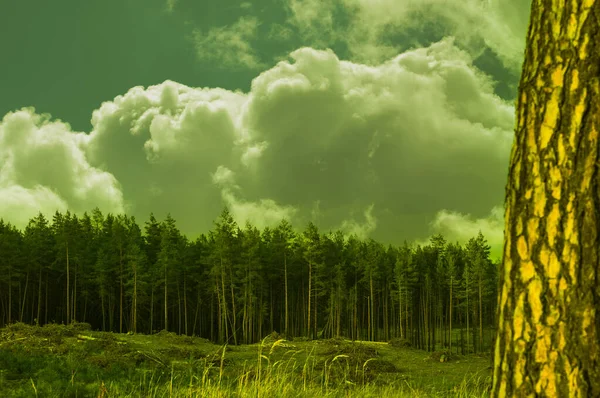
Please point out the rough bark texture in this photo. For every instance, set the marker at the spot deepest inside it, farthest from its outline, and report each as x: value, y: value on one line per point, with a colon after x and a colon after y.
x: 548, y: 316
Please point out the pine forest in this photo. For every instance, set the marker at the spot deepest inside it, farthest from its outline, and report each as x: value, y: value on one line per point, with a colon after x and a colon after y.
x: 237, y: 284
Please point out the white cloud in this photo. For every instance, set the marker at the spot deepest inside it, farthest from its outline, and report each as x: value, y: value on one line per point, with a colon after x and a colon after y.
x: 223, y: 176
x: 315, y: 137
x: 229, y: 46
x: 262, y: 213
x: 163, y: 142
x: 18, y: 204
x: 372, y: 25
x: 421, y: 131
x: 171, y: 5
x: 43, y: 167
x: 461, y: 227
x: 361, y: 230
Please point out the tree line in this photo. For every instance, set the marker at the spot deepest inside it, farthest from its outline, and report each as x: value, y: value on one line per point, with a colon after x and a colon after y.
x: 237, y: 284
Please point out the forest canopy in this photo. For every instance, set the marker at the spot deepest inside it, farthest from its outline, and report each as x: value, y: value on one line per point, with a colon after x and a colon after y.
x: 237, y: 284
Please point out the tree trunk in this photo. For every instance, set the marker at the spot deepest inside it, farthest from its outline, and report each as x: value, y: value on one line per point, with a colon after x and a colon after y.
x: 467, y: 313
x: 286, y: 325
x: 185, y: 308
x: 480, y: 315
x: 101, y: 304
x: 450, y: 316
x: 39, y: 306
x: 400, y: 308
x: 166, y: 302
x: 24, y: 298
x: 178, y: 308
x: 46, y: 301
x: 233, y: 312
x: 224, y: 304
x: 371, y: 308
x: 9, y: 295
x: 151, y: 310
x: 309, y: 295
x: 74, y: 298
x: 68, y: 301
x: 548, y: 337
x: 120, y: 288
x: 134, y: 300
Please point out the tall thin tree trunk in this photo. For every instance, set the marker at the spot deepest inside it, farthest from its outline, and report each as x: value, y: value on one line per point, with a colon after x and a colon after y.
x: 9, y: 295
x: 178, y: 309
x: 166, y: 301
x: 450, y: 317
x: 371, y: 303
x: 46, y: 303
x: 224, y: 303
x: 134, y: 299
x: 120, y: 288
x: 185, y: 307
x: 233, y: 311
x: 103, y: 309
x: 151, y: 309
x: 286, y: 293
x: 468, y: 350
x: 196, y: 313
x: 68, y: 287
x: 74, y: 298
x: 480, y: 316
x: 309, y: 296
x: 24, y: 298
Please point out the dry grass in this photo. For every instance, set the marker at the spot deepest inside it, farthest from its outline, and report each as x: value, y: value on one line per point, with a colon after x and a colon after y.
x: 70, y: 361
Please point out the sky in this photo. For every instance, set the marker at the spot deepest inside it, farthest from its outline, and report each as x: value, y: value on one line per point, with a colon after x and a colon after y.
x: 389, y: 119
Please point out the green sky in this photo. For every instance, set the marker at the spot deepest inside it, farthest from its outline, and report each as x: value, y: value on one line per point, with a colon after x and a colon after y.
x: 384, y: 118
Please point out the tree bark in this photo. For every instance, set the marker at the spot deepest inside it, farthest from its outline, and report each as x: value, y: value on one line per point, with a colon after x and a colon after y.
x: 68, y: 300
x: 548, y: 341
x: 286, y: 331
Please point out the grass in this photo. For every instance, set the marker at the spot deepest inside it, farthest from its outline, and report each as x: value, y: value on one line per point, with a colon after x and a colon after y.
x: 72, y: 361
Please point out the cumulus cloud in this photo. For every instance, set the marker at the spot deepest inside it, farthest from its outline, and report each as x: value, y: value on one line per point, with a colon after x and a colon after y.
x: 361, y: 230
x: 163, y: 142
x: 461, y: 227
x: 43, y: 167
x: 418, y: 133
x: 229, y: 46
x: 223, y: 176
x: 262, y: 213
x: 19, y: 204
x: 316, y: 138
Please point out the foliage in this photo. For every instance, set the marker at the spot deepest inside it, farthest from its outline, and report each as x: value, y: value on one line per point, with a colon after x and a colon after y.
x: 236, y: 285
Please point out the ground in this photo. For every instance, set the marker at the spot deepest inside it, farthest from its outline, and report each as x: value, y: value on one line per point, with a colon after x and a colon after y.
x: 73, y: 361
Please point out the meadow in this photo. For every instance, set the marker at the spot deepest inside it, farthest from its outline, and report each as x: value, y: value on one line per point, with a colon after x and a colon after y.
x: 73, y: 361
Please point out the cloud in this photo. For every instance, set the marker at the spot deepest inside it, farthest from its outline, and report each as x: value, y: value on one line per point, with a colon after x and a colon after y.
x: 375, y: 30
x: 223, y: 176
x: 229, y: 46
x: 261, y: 213
x: 364, y: 230
x: 163, y: 143
x: 461, y: 227
x: 316, y: 138
x: 171, y: 5
x: 43, y: 167
x: 420, y: 132
x: 18, y: 204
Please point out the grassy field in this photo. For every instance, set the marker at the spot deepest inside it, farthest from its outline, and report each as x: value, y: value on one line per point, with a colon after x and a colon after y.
x: 72, y: 361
